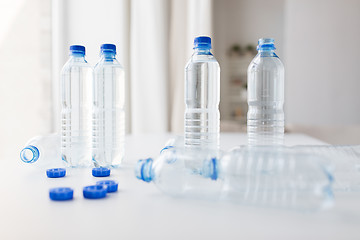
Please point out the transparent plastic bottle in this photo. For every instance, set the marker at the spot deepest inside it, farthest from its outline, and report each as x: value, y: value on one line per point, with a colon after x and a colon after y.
x: 346, y: 162
x: 43, y: 151
x: 76, y: 81
x: 108, y: 138
x: 261, y: 176
x: 265, y: 118
x: 179, y: 172
x: 202, y: 97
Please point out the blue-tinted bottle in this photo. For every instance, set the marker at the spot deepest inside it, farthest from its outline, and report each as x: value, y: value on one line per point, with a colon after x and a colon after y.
x: 76, y: 81
x: 202, y: 97
x: 108, y: 137
x: 265, y: 118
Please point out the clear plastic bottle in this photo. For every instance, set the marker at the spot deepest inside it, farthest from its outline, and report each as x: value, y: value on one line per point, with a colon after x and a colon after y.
x: 202, y: 97
x: 179, y: 172
x: 265, y: 118
x: 108, y: 138
x: 260, y: 176
x: 43, y: 151
x: 76, y: 81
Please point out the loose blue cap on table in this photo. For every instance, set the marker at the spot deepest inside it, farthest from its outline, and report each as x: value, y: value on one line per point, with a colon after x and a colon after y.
x: 95, y: 191
x: 61, y: 194
x: 101, y: 172
x: 77, y: 49
x: 56, y: 172
x: 112, y: 186
x: 108, y: 47
x: 203, y: 42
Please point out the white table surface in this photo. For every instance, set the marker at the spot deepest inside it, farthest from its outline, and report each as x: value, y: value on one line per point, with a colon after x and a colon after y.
x: 140, y: 211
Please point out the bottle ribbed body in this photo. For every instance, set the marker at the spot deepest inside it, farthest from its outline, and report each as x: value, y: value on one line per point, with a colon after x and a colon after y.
x: 76, y: 81
x: 278, y: 177
x: 202, y: 97
x: 265, y: 118
x: 108, y: 119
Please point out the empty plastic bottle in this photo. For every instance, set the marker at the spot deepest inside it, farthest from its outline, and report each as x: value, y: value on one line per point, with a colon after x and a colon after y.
x: 108, y: 138
x: 260, y: 176
x: 265, y: 118
x: 179, y: 172
x: 43, y: 151
x: 202, y: 97
x: 76, y: 82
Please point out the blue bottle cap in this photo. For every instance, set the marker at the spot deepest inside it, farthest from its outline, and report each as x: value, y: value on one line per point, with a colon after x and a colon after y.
x: 61, y: 194
x: 95, y: 191
x: 108, y: 47
x: 202, y: 42
x: 56, y: 172
x: 112, y: 186
x: 101, y: 172
x: 77, y: 49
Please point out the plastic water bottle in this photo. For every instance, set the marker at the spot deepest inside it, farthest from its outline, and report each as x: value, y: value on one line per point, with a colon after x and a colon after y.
x: 265, y: 118
x: 108, y: 140
x: 202, y: 97
x: 346, y: 162
x: 43, y: 151
x: 76, y: 82
x: 263, y: 176
x: 178, y: 172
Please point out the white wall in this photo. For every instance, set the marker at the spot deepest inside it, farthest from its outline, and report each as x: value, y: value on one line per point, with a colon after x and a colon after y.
x: 322, y: 62
x: 25, y: 82
x: 244, y: 22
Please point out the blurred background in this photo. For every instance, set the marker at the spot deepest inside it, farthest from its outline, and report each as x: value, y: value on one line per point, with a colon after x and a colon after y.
x: 318, y: 42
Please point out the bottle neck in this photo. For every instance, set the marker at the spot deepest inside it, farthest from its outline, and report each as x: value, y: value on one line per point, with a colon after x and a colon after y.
x: 29, y: 154
x: 267, y: 53
x: 108, y: 56
x: 202, y: 51
x: 143, y: 170
x: 77, y: 57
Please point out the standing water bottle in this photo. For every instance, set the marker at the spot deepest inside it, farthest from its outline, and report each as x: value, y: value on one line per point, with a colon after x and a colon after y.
x: 76, y: 81
x: 108, y: 140
x: 202, y: 97
x: 265, y: 118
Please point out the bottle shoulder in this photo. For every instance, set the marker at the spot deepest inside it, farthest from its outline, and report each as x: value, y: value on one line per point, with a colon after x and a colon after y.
x: 71, y: 64
x: 108, y: 63
x: 202, y: 59
x: 266, y: 62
